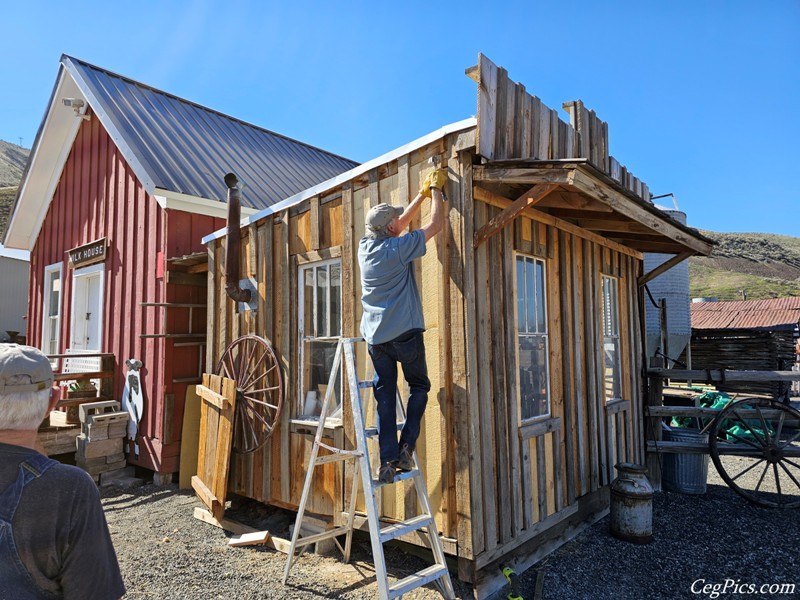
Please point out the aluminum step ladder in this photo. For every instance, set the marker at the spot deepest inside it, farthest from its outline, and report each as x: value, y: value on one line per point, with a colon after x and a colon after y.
x: 438, y: 572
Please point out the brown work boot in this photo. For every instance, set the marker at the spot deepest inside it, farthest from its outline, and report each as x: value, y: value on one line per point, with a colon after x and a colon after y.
x: 406, y: 460
x: 387, y: 471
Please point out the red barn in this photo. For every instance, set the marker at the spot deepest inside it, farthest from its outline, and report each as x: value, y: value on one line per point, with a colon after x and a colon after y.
x: 122, y: 182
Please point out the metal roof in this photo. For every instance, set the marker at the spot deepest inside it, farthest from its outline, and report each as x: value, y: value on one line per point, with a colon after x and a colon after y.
x: 777, y: 313
x: 178, y: 146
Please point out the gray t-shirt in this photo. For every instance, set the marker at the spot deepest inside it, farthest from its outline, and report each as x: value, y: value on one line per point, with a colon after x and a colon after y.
x: 389, y: 292
x: 60, y: 531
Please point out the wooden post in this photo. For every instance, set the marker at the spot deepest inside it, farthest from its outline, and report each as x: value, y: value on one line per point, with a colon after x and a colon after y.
x: 655, y: 397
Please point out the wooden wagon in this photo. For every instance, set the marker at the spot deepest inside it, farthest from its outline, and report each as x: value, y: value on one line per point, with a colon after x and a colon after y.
x: 532, y: 306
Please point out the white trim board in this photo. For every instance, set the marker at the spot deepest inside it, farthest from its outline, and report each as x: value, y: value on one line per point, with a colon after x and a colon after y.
x: 348, y: 175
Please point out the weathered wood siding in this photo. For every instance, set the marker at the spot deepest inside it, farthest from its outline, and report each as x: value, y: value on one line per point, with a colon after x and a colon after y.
x: 272, y: 251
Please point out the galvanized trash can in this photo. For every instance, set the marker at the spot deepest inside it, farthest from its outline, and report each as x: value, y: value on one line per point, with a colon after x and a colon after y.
x: 632, y: 504
x: 685, y: 473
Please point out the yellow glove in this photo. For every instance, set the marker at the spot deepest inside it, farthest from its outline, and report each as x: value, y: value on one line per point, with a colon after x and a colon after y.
x: 438, y: 179
x: 426, y: 187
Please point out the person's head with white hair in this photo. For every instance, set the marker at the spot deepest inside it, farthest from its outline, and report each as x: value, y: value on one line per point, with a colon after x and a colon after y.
x: 26, y: 379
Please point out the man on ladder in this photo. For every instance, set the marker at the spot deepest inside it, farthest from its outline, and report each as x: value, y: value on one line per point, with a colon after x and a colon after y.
x: 392, y: 322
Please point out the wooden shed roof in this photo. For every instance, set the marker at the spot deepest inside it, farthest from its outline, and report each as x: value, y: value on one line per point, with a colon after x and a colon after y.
x: 775, y: 313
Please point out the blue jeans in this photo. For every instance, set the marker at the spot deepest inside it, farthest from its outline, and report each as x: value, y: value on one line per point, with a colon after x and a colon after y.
x: 409, y: 350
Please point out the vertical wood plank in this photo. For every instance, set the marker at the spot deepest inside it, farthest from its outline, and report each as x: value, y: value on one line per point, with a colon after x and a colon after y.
x: 565, y: 267
x: 500, y: 398
x: 579, y: 341
x: 590, y: 283
x: 541, y: 476
x: 483, y: 374
x: 316, y: 223
x: 512, y: 393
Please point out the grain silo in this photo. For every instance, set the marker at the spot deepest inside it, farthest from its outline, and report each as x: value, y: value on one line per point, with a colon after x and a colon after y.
x: 673, y: 287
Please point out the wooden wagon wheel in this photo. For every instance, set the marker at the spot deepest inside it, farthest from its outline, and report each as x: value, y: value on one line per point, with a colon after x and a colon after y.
x: 755, y: 446
x: 252, y: 364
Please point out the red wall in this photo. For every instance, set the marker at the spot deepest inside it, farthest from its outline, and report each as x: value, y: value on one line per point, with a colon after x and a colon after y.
x: 99, y: 196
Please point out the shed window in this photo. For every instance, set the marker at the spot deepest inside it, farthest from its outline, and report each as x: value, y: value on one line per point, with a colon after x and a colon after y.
x: 534, y: 382
x: 51, y: 312
x: 612, y: 378
x: 320, y: 323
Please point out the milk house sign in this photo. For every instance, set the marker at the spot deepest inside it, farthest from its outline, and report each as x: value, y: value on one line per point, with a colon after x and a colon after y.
x: 88, y: 254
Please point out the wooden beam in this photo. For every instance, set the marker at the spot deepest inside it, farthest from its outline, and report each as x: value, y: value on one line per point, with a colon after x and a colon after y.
x: 529, y: 198
x: 663, y: 267
x: 621, y: 203
x: 488, y: 197
x: 529, y: 175
x: 612, y: 225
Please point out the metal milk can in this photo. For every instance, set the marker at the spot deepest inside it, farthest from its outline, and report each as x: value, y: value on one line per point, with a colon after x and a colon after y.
x: 632, y: 504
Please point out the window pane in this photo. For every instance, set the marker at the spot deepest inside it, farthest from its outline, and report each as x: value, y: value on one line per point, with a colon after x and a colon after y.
x: 541, y: 322
x: 55, y: 292
x: 319, y: 357
x: 530, y: 293
x: 308, y: 302
x: 336, y: 300
x: 521, y: 295
x: 322, y: 302
x: 533, y: 376
x: 611, y: 371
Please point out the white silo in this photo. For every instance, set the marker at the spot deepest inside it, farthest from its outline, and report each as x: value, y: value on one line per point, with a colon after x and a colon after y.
x: 673, y: 286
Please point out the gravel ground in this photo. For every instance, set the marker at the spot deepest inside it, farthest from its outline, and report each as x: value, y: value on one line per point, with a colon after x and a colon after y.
x: 716, y: 537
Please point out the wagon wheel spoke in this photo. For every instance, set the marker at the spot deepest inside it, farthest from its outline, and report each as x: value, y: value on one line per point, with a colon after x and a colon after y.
x: 262, y: 402
x: 778, y: 483
x: 744, y: 440
x: 750, y: 429
x: 266, y: 389
x: 767, y: 436
x: 794, y: 438
x: 748, y: 469
x: 789, y: 473
x: 779, y: 429
x: 761, y: 479
x: 252, y: 367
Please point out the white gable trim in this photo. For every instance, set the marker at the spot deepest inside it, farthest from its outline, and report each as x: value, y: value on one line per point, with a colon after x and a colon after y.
x: 60, y: 127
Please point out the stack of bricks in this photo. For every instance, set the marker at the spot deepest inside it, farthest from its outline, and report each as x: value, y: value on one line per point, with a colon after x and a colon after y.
x: 99, y: 445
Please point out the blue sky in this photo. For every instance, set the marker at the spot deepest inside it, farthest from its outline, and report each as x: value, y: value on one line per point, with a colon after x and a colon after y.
x: 700, y: 96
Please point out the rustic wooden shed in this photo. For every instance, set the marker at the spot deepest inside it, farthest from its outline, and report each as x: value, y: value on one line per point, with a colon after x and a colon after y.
x: 113, y: 203
x: 532, y: 307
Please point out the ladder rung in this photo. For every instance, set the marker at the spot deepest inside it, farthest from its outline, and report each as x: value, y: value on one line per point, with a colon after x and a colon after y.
x: 400, y: 476
x: 397, y: 530
x: 310, y: 539
x: 366, y: 383
x: 416, y: 580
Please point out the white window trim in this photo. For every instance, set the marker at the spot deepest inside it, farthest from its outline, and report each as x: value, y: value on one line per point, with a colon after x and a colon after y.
x: 48, y: 270
x: 91, y: 269
x: 299, y: 401
x: 545, y: 333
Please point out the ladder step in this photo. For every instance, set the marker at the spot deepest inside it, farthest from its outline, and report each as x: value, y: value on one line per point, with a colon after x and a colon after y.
x: 373, y: 431
x: 400, y: 476
x: 416, y: 580
x: 400, y: 529
x: 310, y: 539
x: 366, y: 383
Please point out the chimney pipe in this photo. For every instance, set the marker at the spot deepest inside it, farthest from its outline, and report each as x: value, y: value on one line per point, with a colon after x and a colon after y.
x: 234, y: 242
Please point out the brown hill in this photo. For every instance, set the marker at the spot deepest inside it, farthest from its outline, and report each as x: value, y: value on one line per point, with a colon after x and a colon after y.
x: 12, y: 163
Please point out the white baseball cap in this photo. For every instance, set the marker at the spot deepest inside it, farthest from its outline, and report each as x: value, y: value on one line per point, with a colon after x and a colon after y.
x: 26, y: 361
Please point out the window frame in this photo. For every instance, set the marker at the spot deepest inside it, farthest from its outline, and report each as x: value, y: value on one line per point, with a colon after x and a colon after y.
x: 544, y: 333
x: 612, y: 333
x: 49, y: 270
x: 302, y: 337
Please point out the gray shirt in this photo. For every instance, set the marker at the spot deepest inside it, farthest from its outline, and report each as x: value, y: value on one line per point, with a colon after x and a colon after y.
x: 60, y: 531
x: 389, y: 293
